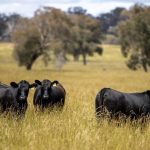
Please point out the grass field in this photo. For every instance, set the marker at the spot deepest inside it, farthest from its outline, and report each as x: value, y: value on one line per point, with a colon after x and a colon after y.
x: 76, y: 127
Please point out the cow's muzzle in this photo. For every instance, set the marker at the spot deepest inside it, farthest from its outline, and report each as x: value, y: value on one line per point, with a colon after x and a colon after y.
x: 22, y: 98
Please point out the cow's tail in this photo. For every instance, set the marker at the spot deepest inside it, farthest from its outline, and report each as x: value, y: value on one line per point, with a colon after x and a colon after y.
x: 99, y: 102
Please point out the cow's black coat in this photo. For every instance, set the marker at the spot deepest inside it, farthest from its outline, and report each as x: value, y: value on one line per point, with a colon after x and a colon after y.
x: 13, y: 98
x: 47, y: 95
x: 132, y: 105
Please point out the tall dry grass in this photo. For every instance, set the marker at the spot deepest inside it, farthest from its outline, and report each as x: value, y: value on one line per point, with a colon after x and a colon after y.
x: 76, y: 127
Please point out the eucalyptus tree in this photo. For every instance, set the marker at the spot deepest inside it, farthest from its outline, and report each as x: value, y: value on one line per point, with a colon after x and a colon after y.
x: 134, y: 36
x: 86, y: 34
x: 47, y: 31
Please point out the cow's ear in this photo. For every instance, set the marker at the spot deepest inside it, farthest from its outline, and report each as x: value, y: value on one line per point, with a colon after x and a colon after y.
x: 33, y: 85
x: 14, y: 84
x: 38, y: 82
x: 54, y: 82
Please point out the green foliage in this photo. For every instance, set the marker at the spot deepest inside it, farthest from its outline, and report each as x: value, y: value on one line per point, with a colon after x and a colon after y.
x: 3, y: 25
x: 86, y: 35
x: 27, y: 43
x: 47, y: 30
x: 99, y: 50
x: 7, y: 25
x: 111, y: 19
x: 135, y: 37
x: 52, y: 30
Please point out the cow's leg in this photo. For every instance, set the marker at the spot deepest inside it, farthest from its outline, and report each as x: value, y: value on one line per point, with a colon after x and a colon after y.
x: 132, y: 115
x: 145, y: 114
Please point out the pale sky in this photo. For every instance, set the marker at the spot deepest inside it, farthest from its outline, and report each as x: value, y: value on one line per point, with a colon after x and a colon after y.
x: 95, y: 7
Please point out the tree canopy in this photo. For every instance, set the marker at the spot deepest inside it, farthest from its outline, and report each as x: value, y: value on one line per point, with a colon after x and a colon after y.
x: 36, y: 36
x: 111, y: 19
x: 86, y: 35
x: 52, y: 30
x: 134, y: 36
x: 7, y: 24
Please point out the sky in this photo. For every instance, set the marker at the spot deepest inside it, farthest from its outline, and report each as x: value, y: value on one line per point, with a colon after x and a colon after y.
x: 94, y: 7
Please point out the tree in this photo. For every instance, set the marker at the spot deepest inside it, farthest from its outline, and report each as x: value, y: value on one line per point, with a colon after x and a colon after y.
x: 7, y: 24
x: 111, y: 19
x: 35, y: 37
x: 27, y: 43
x: 86, y: 34
x: 3, y: 25
x: 134, y: 36
x: 52, y: 30
x: 12, y: 21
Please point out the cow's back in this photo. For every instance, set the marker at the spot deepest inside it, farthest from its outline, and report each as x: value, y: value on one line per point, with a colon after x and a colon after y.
x: 58, y: 94
x: 7, y: 99
x: 127, y: 103
x: 139, y: 102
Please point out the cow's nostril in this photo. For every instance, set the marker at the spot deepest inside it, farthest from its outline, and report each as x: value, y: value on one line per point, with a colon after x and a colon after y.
x: 45, y: 96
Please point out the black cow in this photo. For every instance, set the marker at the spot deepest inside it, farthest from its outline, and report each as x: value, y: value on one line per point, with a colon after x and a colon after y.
x: 13, y: 98
x: 48, y: 96
x: 2, y: 85
x: 133, y: 105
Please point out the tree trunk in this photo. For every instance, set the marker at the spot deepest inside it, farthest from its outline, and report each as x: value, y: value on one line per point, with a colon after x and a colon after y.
x: 76, y: 57
x: 145, y: 67
x: 144, y: 64
x: 33, y: 59
x: 29, y: 66
x: 84, y: 58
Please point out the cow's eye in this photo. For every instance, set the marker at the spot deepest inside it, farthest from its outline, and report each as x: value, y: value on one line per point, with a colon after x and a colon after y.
x: 19, y: 91
x: 105, y: 95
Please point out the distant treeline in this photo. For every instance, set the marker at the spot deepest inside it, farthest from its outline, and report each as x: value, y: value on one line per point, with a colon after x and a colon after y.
x: 108, y: 21
x: 7, y: 25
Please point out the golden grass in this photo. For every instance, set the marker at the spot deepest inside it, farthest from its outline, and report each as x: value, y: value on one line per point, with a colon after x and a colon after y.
x: 76, y: 127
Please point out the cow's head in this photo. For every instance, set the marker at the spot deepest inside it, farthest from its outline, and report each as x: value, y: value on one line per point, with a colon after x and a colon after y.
x: 22, y: 89
x: 104, y: 93
x: 45, y: 88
